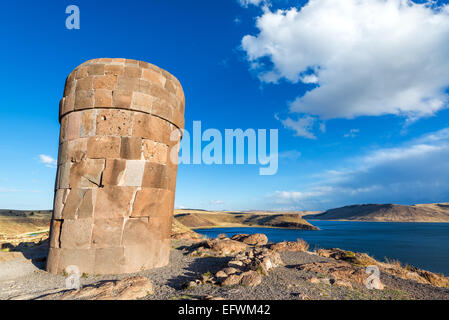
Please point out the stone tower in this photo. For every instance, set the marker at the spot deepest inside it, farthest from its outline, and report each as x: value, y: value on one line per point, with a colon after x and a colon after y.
x: 115, y: 186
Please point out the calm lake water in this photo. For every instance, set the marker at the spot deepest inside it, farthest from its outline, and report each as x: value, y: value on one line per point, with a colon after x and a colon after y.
x: 424, y: 245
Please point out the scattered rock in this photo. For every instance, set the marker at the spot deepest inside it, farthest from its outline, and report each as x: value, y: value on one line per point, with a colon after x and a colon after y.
x: 338, y: 270
x: 250, y: 279
x: 226, y: 247
x: 257, y: 239
x: 221, y: 274
x: 232, y: 280
x: 230, y: 270
x: 299, y: 245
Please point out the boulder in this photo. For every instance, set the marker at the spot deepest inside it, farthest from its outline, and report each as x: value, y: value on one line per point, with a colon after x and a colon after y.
x: 299, y: 245
x: 226, y: 247
x: 251, y: 279
x: 257, y: 239
x: 232, y: 280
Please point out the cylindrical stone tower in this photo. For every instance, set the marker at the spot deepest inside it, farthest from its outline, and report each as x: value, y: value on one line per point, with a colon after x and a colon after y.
x: 115, y: 186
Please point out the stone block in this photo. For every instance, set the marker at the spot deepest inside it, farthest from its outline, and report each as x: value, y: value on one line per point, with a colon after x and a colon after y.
x: 59, y: 202
x: 151, y: 202
x: 142, y: 125
x: 115, y: 70
x: 131, y: 148
x: 76, y: 234
x: 154, y: 176
x: 95, y: 69
x: 84, y: 99
x: 136, y: 232
x: 114, y: 122
x: 142, y: 102
x: 103, y: 98
x: 88, y: 123
x: 53, y: 260
x: 108, y: 82
x: 153, y: 77
x: 114, y: 172
x: 87, y: 173
x: 121, y: 99
x: 103, y: 147
x: 68, y: 105
x: 133, y: 71
x: 55, y: 232
x: 109, y: 260
x: 75, y: 150
x: 107, y: 232
x: 73, y: 125
x: 84, y: 84
x: 63, y: 180
x: 155, y: 152
x: 134, y: 173
x: 128, y: 84
x: 84, y: 259
x: 162, y: 109
x: 113, y: 202
x: 82, y: 72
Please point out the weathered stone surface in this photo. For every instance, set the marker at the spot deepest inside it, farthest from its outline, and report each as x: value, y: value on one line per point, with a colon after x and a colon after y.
x: 103, y: 147
x: 76, y: 234
x: 299, y: 245
x: 131, y: 148
x: 113, y: 202
x: 134, y: 173
x: 150, y: 202
x: 232, y: 280
x: 114, y: 122
x: 107, y: 232
x: 226, y: 247
x: 86, y: 173
x: 114, y: 172
x: 114, y: 191
x: 155, y: 151
x: 155, y: 176
x: 126, y: 289
x: 251, y: 279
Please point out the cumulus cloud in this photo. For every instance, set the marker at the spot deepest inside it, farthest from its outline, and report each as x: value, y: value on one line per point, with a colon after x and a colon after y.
x: 360, y: 57
x: 303, y: 126
x: 47, y: 160
x: 416, y: 172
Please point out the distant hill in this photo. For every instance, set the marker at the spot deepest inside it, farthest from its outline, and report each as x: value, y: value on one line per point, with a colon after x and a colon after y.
x: 434, y: 212
x: 223, y: 219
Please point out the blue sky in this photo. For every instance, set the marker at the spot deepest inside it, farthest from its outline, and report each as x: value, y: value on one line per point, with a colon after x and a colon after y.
x: 357, y: 89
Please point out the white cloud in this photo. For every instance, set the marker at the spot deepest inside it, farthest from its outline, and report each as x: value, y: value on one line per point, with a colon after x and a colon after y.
x: 289, y: 154
x: 352, y: 133
x: 416, y: 172
x: 246, y: 3
x: 302, y: 127
x: 47, y: 160
x: 365, y: 57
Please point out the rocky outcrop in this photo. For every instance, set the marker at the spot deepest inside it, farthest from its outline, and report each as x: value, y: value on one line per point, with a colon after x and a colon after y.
x: 256, y: 239
x: 338, y: 273
x: 299, y: 245
x: 127, y: 289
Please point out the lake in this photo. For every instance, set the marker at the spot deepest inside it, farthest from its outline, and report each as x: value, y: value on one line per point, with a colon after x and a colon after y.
x: 423, y: 245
